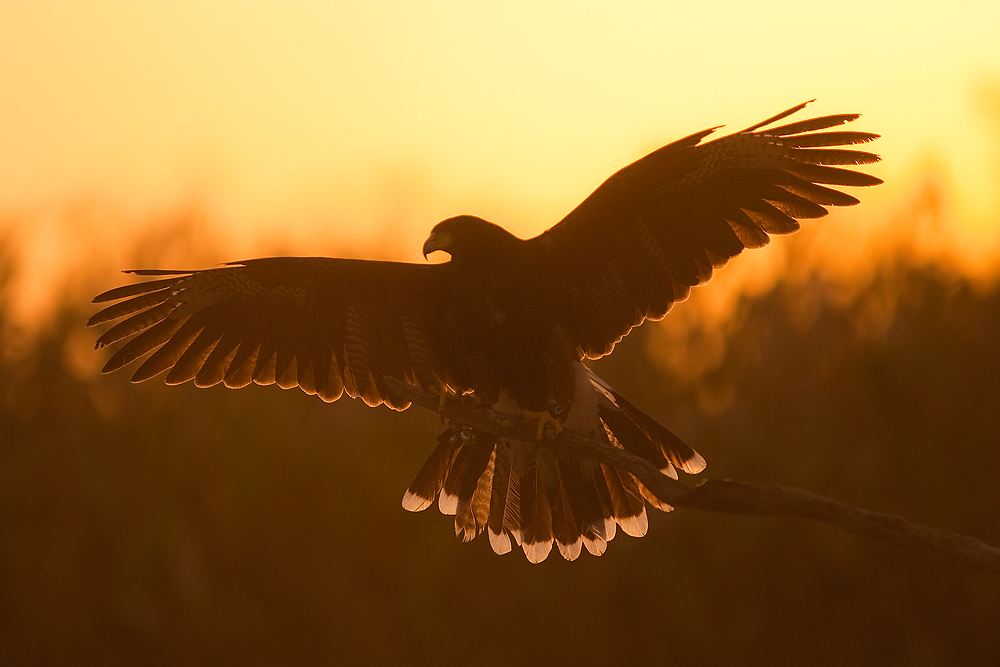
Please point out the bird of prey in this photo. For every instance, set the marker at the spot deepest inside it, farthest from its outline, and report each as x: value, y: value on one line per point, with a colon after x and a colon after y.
x: 508, y: 322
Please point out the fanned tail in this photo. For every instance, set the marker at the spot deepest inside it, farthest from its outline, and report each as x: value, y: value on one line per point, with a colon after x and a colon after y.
x: 534, y: 495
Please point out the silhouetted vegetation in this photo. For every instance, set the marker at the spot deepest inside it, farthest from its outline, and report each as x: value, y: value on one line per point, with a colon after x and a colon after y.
x: 170, y: 525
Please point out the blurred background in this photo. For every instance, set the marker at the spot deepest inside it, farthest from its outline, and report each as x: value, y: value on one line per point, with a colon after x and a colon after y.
x: 144, y: 524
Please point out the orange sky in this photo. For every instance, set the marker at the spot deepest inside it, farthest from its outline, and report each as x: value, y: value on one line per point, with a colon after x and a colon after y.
x: 350, y: 120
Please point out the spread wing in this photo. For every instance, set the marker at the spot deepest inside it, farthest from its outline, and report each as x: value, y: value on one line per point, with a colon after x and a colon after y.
x: 660, y: 226
x: 329, y: 326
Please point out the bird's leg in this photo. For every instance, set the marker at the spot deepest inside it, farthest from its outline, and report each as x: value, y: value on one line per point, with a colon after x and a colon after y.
x: 445, y: 394
x: 543, y: 417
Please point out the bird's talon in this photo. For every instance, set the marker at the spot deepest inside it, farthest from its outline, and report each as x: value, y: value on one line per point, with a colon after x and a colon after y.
x: 443, y: 402
x: 543, y: 417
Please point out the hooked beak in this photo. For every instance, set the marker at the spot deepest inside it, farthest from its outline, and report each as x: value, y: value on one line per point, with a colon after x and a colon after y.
x: 437, y: 240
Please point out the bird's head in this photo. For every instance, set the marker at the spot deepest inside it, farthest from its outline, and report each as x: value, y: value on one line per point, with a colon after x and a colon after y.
x: 467, y: 237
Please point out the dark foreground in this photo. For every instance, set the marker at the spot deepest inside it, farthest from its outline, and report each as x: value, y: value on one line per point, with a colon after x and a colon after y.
x: 155, y: 525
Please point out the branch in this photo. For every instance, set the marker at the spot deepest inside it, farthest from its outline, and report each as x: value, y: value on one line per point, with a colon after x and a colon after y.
x: 728, y: 496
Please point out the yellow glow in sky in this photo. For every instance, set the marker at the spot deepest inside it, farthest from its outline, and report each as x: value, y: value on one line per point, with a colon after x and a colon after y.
x: 361, y: 117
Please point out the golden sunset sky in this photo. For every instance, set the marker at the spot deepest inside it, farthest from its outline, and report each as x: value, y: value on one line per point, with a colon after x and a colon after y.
x: 364, y: 123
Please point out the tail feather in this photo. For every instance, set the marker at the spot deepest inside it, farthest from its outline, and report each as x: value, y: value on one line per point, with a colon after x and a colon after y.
x: 652, y: 498
x: 577, y: 479
x: 600, y: 483
x: 427, y: 484
x: 536, y: 512
x: 623, y: 432
x: 505, y: 504
x: 473, y: 509
x: 448, y: 498
x: 637, y: 431
x: 627, y: 504
x: 535, y: 495
x: 569, y: 538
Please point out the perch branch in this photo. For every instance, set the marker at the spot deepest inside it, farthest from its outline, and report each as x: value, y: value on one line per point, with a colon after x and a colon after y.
x: 728, y: 496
